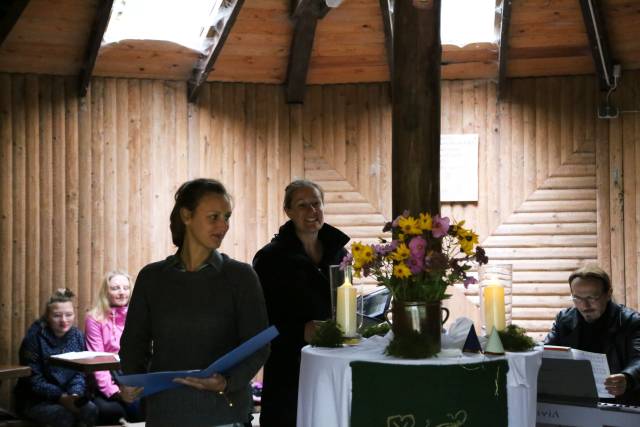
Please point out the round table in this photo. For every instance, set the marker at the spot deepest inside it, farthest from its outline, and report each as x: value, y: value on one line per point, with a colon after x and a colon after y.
x: 324, y: 392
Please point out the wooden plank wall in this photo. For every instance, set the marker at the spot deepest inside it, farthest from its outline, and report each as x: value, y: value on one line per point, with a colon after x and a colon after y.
x: 87, y: 185
x: 537, y: 206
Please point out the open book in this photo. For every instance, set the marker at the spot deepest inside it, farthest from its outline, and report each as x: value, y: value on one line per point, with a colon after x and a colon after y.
x: 75, y: 355
x: 599, y: 364
x: 154, y: 382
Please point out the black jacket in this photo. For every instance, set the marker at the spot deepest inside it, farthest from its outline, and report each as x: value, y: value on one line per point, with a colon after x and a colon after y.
x: 296, y: 291
x: 621, y: 342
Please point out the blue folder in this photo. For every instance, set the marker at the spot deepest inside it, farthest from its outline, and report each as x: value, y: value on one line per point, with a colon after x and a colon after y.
x: 154, y: 382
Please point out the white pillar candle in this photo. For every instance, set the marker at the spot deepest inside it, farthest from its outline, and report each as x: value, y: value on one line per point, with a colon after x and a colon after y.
x: 346, y: 308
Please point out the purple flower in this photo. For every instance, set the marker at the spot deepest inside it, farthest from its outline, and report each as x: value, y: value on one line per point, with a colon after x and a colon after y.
x: 418, y: 246
x: 346, y: 261
x: 416, y: 264
x: 469, y: 280
x: 481, y: 255
x: 440, y: 226
x: 384, y: 250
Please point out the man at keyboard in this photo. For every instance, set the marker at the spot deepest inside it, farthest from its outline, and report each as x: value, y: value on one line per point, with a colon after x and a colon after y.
x: 599, y: 325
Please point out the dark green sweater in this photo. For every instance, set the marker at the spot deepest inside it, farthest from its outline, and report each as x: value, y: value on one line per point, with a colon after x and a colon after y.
x: 190, y: 319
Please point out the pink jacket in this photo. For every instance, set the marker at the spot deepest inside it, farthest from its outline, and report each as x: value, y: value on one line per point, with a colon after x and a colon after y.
x: 105, y: 336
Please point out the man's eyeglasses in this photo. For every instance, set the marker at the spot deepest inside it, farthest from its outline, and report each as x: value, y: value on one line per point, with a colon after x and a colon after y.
x: 581, y: 300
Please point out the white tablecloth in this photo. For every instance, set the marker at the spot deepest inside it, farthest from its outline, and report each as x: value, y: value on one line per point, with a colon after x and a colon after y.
x: 324, y: 393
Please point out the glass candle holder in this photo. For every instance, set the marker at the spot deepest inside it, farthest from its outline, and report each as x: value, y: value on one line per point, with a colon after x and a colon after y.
x: 495, y: 290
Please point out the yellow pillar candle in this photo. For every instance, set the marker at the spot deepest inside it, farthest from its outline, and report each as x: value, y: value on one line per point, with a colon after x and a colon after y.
x: 494, y: 307
x: 346, y: 308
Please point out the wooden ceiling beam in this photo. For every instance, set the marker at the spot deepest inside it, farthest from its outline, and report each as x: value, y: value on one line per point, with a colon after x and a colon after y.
x: 205, y: 65
x: 100, y: 23
x: 503, y: 47
x: 305, y: 15
x: 598, y: 42
x: 10, y: 12
x: 386, y: 7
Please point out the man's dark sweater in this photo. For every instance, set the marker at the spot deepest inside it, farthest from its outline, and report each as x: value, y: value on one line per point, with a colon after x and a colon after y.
x: 190, y: 319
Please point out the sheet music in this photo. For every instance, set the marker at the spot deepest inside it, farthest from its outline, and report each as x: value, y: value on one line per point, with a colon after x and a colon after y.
x: 600, y: 368
x: 75, y: 355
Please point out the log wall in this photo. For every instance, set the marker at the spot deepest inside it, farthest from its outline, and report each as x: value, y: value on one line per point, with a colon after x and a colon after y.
x: 87, y: 184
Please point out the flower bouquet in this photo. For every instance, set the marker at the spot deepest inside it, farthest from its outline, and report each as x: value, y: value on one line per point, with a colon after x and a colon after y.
x: 426, y: 254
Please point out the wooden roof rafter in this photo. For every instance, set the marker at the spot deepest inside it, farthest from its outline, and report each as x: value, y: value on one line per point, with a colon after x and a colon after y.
x: 306, y: 14
x: 598, y: 42
x: 205, y: 65
x: 503, y: 47
x: 10, y: 12
x: 100, y: 23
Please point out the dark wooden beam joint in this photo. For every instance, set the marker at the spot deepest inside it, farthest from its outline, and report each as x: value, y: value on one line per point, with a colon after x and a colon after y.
x: 503, y: 49
x: 204, y: 66
x: 386, y: 8
x: 305, y: 16
x: 95, y: 40
x: 598, y: 42
x: 10, y: 12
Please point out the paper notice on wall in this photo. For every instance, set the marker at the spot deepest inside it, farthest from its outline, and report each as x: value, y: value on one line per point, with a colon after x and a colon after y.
x: 459, y: 168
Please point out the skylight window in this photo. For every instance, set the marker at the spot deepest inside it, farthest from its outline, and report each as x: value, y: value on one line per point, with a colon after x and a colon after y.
x: 463, y: 22
x: 185, y: 22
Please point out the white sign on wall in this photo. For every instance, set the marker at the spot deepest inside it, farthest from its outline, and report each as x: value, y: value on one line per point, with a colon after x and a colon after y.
x: 459, y: 168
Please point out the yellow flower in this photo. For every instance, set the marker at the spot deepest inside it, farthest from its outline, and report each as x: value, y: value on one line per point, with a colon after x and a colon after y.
x: 425, y: 221
x: 401, y: 271
x: 367, y: 254
x: 409, y: 225
x: 467, y: 239
x: 402, y: 252
x: 459, y: 230
x: 356, y: 248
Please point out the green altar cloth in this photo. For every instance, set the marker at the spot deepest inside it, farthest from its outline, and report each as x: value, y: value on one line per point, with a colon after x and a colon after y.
x: 391, y: 395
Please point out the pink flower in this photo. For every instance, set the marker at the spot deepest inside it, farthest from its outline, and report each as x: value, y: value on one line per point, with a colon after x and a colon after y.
x: 440, y: 226
x: 418, y: 246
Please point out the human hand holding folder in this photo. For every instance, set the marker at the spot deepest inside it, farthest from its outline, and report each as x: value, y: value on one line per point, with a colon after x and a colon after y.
x: 216, y: 383
x: 155, y: 382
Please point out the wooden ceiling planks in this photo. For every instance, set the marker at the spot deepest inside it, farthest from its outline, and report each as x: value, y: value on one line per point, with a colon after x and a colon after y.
x: 146, y: 59
x: 547, y: 37
x: 49, y: 40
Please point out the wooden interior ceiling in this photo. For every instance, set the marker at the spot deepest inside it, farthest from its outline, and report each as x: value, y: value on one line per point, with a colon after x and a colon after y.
x: 546, y: 37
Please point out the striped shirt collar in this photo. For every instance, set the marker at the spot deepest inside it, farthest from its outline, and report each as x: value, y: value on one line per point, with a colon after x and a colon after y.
x: 214, y: 260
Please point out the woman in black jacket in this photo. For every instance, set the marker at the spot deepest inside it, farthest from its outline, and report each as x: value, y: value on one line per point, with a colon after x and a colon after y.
x: 294, y: 273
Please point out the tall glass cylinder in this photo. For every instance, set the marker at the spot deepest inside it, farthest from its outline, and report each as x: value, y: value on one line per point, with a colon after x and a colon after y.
x: 337, y: 277
x: 495, y: 288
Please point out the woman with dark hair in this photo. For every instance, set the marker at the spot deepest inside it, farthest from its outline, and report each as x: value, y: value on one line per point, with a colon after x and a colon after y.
x: 53, y: 395
x: 294, y: 273
x: 192, y: 308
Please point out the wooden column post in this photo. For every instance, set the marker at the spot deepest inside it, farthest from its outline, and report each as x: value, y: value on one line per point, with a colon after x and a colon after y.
x: 415, y: 154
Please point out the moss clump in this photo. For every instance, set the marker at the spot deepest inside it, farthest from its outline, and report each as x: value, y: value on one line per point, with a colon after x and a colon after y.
x: 412, y: 346
x: 514, y: 338
x: 328, y: 334
x: 379, y: 329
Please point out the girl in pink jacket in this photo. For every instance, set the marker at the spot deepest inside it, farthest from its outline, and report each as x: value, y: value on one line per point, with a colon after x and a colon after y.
x: 104, y: 324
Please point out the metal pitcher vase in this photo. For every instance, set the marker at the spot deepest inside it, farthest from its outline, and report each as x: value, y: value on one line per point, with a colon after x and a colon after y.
x: 423, y: 318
